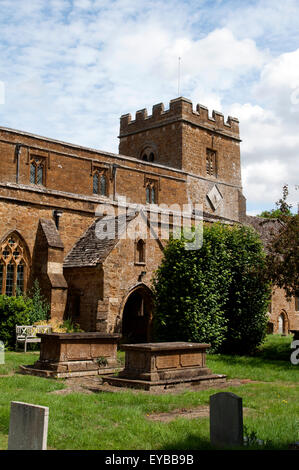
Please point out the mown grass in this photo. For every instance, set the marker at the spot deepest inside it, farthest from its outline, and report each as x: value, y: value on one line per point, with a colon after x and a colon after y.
x: 270, y: 363
x: 118, y: 421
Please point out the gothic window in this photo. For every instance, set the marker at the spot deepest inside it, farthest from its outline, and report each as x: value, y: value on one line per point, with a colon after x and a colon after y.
x: 13, y: 266
x: 140, y: 251
x: 211, y: 162
x: 100, y: 184
x: 37, y: 171
x: 151, y: 191
x: 148, y: 154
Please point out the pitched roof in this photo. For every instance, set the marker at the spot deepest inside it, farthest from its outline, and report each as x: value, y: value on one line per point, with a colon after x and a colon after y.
x: 51, y: 233
x: 98, y: 241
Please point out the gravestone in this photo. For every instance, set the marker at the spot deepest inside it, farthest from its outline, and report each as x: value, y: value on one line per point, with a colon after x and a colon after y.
x: 226, y: 420
x: 28, y: 426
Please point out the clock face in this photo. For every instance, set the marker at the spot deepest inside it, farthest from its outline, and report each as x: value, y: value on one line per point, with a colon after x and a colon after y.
x: 215, y: 197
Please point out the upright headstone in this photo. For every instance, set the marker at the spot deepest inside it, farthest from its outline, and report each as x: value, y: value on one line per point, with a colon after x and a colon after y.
x: 226, y: 420
x: 28, y: 426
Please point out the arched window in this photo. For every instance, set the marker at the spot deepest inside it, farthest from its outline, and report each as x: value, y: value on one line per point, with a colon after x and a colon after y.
x: 151, y: 193
x: 211, y: 167
x: 37, y: 171
x: 148, y: 154
x: 100, y: 185
x: 13, y: 266
x: 140, y: 249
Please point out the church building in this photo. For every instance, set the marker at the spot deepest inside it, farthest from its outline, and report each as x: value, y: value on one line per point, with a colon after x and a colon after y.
x: 57, y: 199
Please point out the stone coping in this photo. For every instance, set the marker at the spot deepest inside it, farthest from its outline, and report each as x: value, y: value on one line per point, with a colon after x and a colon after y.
x: 170, y: 346
x: 88, y: 335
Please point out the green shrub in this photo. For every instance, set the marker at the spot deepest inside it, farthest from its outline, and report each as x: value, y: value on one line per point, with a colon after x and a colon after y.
x: 13, y: 311
x: 214, y: 294
x: 40, y: 308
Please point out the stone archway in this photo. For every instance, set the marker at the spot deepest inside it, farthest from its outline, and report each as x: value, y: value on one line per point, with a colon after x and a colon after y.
x: 282, y: 323
x: 137, y: 315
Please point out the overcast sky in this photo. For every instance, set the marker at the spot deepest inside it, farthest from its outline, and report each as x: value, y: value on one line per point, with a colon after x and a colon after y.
x: 70, y: 68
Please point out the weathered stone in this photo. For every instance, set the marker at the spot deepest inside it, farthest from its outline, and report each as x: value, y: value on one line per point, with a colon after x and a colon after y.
x: 28, y: 427
x: 226, y: 420
x: 69, y: 354
x: 154, y: 365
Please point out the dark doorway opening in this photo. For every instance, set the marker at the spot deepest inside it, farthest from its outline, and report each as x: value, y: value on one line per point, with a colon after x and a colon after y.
x: 137, y: 317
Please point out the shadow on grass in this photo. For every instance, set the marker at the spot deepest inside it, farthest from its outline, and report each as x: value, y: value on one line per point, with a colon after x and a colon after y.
x: 191, y: 442
x: 194, y: 442
x: 277, y: 348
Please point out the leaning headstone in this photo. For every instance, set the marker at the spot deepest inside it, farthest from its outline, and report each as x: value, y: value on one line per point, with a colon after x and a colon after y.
x: 28, y: 426
x: 226, y: 420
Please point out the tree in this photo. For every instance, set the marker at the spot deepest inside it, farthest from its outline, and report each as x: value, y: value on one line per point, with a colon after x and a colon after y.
x: 214, y: 294
x: 282, y: 207
x: 282, y: 264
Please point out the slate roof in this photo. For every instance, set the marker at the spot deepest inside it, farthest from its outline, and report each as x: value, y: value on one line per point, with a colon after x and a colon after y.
x: 51, y: 233
x: 91, y: 249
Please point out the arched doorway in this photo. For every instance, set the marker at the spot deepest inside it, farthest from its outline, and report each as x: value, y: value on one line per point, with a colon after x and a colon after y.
x: 282, y: 324
x: 137, y: 316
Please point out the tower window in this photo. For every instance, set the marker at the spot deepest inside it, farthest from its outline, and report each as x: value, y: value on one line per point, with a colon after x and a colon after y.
x: 148, y: 154
x: 211, y: 162
x: 13, y: 266
x: 140, y: 251
x: 100, y: 184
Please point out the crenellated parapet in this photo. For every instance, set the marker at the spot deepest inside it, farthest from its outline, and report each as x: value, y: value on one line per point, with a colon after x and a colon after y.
x: 180, y: 109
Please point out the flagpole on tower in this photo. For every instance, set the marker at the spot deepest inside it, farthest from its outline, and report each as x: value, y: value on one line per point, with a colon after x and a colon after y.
x: 179, y: 76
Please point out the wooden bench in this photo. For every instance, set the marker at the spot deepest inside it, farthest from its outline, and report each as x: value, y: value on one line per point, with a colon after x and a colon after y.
x: 27, y: 334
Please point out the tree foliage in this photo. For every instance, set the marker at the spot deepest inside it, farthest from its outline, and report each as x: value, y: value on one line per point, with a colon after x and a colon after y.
x: 21, y: 310
x: 282, y: 267
x: 13, y: 311
x: 214, y: 294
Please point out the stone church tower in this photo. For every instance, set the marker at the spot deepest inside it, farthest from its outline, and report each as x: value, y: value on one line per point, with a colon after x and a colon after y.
x: 205, y: 149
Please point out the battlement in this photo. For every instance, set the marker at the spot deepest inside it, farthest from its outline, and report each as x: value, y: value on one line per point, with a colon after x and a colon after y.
x: 180, y: 109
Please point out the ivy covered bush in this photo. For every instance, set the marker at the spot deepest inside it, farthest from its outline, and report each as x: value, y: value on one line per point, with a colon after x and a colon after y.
x: 215, y: 294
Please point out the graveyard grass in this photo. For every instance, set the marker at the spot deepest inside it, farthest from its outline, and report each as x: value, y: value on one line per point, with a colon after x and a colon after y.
x: 120, y: 420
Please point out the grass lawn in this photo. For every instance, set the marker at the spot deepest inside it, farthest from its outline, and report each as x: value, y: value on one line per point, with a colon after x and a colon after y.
x: 118, y: 421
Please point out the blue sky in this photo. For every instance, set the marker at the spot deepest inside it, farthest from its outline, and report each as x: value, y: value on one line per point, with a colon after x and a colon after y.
x: 69, y: 69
